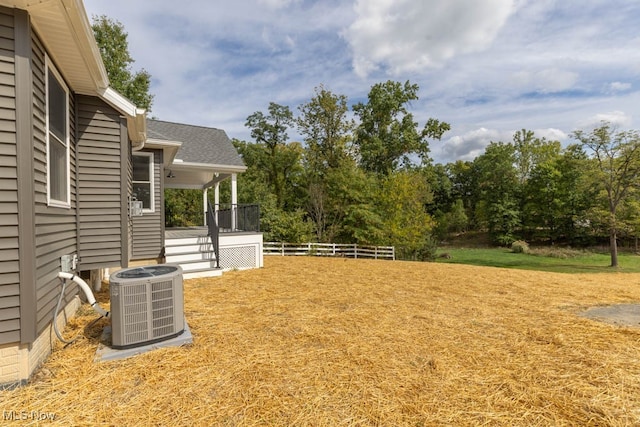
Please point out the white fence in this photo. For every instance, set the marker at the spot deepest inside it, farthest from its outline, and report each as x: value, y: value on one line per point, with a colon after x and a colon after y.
x: 329, y: 249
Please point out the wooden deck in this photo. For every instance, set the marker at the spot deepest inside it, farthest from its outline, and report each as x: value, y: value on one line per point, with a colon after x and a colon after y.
x: 181, y: 232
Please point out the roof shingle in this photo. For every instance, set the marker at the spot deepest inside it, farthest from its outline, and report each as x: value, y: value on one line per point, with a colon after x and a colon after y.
x: 199, y: 144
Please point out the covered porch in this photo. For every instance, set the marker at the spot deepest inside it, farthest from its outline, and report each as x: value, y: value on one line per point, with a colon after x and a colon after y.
x: 228, y: 237
x: 213, y: 236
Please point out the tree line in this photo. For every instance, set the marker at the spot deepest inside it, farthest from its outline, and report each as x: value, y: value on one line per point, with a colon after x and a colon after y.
x: 369, y: 179
x: 363, y: 175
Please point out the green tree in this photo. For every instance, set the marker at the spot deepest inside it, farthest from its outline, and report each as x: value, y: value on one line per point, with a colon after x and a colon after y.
x: 439, y: 180
x: 544, y: 204
x: 183, y: 207
x: 276, y: 223
x: 531, y: 151
x: 114, y: 49
x: 357, y: 193
x: 616, y: 158
x: 270, y: 133
x: 387, y: 136
x: 465, y: 187
x: 327, y: 131
x: 578, y: 195
x: 499, y: 204
x: 407, y: 225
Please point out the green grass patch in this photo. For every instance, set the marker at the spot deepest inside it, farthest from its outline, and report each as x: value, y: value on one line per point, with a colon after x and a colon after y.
x: 573, y: 262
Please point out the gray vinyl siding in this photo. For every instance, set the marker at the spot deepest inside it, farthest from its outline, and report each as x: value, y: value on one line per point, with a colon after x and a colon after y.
x: 9, y: 230
x: 148, y: 229
x: 55, y: 228
x: 33, y: 235
x: 100, y: 177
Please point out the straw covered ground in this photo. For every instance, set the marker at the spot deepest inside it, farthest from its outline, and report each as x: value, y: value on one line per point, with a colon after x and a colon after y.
x: 340, y: 342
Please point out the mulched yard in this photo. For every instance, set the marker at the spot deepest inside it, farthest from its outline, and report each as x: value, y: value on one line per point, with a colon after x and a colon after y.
x: 328, y: 342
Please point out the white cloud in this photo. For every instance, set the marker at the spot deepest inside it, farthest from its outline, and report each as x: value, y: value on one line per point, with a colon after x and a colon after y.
x: 471, y: 144
x: 277, y: 4
x: 551, y: 134
x: 409, y: 35
x: 619, y: 86
x: 549, y: 80
x: 485, y: 67
x: 616, y: 118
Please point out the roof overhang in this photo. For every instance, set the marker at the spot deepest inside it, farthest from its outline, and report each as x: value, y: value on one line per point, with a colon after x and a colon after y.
x: 169, y: 148
x: 66, y: 33
x: 198, y: 175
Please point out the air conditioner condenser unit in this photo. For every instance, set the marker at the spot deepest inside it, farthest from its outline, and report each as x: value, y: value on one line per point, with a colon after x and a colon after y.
x: 147, y: 305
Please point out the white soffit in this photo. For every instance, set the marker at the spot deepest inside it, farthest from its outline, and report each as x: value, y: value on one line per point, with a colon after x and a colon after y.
x: 66, y: 33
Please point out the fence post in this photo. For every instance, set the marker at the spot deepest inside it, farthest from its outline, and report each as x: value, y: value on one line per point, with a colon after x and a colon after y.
x: 282, y: 248
x: 355, y: 250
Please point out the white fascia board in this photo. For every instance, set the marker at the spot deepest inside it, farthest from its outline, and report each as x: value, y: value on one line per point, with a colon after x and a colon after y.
x: 136, y: 117
x: 170, y: 148
x: 77, y: 19
x: 180, y: 164
x: 83, y: 34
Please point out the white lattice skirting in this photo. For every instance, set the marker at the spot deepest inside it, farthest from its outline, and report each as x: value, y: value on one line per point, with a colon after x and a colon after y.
x: 238, y: 257
x: 241, y: 252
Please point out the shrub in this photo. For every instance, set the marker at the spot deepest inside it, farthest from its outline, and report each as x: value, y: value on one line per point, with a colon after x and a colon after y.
x: 556, y: 252
x: 520, y: 247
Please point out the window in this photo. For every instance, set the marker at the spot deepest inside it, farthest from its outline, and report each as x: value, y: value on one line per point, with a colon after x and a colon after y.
x: 58, y: 184
x: 143, y: 180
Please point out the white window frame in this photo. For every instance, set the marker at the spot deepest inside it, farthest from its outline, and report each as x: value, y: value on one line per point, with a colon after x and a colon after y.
x: 50, y: 68
x: 152, y: 193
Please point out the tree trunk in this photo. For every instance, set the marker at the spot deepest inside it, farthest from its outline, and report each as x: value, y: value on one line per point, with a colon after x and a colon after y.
x: 613, y: 246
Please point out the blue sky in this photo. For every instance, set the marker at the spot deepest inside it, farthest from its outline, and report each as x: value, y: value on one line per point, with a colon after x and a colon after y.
x: 487, y: 67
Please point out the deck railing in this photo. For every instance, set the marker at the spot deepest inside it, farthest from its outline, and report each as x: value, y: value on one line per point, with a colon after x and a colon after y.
x: 238, y: 218
x: 230, y: 217
x: 214, y: 233
x: 329, y: 249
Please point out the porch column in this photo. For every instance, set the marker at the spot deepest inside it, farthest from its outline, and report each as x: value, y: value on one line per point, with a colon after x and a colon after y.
x: 216, y: 200
x: 234, y: 200
x: 205, y: 201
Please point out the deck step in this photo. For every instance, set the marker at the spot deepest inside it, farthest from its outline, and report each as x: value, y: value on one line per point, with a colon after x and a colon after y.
x: 179, y: 250
x: 187, y: 241
x: 194, y: 254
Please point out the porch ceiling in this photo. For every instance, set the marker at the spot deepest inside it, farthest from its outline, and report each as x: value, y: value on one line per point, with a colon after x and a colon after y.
x: 189, y: 178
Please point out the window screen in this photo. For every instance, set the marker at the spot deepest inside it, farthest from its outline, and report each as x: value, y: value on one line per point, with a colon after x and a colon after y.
x: 58, y: 144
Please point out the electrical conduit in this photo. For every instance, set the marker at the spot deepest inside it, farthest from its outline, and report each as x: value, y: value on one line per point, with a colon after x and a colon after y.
x: 87, y: 291
x: 90, y: 299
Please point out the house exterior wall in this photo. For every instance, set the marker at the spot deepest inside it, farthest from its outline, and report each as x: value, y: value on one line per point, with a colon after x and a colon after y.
x: 103, y: 165
x: 9, y: 224
x: 55, y: 228
x: 33, y: 234
x: 18, y: 361
x: 148, y: 229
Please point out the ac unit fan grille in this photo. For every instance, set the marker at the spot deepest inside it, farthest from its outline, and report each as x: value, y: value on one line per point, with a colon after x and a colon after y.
x: 162, y: 308
x: 134, y: 302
